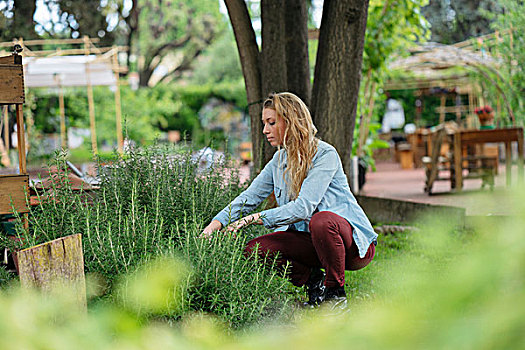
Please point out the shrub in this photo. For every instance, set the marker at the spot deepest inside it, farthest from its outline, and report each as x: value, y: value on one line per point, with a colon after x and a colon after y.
x: 154, y: 202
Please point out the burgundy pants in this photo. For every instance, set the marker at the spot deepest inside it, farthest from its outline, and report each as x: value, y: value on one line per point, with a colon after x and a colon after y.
x: 328, y: 245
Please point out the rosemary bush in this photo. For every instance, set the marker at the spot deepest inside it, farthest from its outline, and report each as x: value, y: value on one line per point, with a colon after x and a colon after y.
x: 154, y: 202
x: 243, y: 291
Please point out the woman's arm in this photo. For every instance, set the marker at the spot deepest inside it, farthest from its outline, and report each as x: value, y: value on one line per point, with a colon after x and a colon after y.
x: 246, y: 202
x: 312, y: 191
x: 252, y: 219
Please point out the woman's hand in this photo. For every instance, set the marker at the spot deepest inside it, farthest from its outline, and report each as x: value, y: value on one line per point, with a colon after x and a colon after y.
x: 213, y: 226
x: 245, y: 221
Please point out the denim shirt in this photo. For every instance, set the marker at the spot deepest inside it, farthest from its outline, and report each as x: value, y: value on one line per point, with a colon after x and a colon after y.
x: 325, y: 188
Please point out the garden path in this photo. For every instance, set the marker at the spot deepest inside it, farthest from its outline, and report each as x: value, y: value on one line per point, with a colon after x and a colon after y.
x: 390, y: 181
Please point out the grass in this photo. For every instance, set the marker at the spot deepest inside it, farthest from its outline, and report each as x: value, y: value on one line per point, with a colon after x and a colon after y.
x: 391, y: 248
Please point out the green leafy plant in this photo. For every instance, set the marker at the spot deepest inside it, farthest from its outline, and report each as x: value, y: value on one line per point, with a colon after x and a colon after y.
x: 153, y: 202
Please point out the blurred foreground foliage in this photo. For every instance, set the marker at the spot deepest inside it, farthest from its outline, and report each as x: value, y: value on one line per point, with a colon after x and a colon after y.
x: 464, y: 296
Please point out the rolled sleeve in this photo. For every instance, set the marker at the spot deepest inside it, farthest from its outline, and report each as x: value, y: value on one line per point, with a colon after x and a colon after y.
x: 312, y: 191
x: 246, y: 202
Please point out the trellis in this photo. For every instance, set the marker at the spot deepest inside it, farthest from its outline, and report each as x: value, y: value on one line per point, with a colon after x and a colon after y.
x: 81, y: 63
x: 431, y: 64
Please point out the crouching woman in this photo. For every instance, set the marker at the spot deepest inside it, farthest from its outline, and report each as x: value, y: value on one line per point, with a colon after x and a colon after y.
x: 318, y: 224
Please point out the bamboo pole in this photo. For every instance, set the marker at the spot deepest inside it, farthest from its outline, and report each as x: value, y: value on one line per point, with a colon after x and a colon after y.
x: 442, y: 109
x: 29, y: 129
x: 470, y: 100
x: 48, y: 42
x: 118, y: 107
x: 6, y: 127
x: 4, y: 152
x: 4, y: 157
x: 21, y: 139
x: 91, y: 102
x: 458, y: 109
x: 63, y: 136
x: 363, y: 127
x: 498, y: 108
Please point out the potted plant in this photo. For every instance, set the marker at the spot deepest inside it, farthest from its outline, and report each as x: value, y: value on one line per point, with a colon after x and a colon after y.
x: 486, y: 117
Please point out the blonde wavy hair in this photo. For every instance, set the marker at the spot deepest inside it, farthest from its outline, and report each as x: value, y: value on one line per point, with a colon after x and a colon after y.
x: 299, y: 139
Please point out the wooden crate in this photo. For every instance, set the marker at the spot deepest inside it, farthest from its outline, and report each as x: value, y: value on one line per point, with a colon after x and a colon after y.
x: 11, y: 84
x: 13, y: 189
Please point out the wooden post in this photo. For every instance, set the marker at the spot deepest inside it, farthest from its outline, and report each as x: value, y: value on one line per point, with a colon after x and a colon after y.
x: 91, y: 103
x: 58, y: 263
x: 20, y: 132
x: 118, y: 107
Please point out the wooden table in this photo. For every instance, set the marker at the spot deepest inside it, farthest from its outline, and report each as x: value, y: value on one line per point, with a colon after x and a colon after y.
x: 470, y: 137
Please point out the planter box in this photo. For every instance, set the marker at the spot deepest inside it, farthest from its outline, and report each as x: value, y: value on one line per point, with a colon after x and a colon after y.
x: 13, y: 189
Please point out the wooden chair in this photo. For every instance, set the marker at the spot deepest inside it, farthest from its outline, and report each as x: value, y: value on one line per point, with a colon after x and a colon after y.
x: 436, y: 162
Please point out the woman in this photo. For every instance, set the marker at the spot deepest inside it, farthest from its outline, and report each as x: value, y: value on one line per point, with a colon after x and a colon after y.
x: 318, y: 223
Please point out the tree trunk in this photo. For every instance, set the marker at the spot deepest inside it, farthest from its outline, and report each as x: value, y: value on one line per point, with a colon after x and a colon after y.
x: 144, y: 76
x: 273, y: 64
x: 133, y: 23
x: 23, y: 25
x: 338, y: 73
x: 297, y: 59
x: 251, y: 70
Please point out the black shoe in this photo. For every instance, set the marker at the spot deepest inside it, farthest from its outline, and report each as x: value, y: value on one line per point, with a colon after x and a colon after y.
x: 335, y: 298
x: 315, y: 288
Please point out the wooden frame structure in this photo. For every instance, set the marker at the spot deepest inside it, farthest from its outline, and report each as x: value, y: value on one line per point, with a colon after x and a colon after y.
x: 432, y: 63
x: 13, y: 188
x: 92, y: 56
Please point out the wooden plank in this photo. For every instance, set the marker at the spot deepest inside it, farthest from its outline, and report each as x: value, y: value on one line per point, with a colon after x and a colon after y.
x: 13, y: 190
x: 494, y: 135
x: 12, y: 84
x: 7, y: 60
x: 55, y: 264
